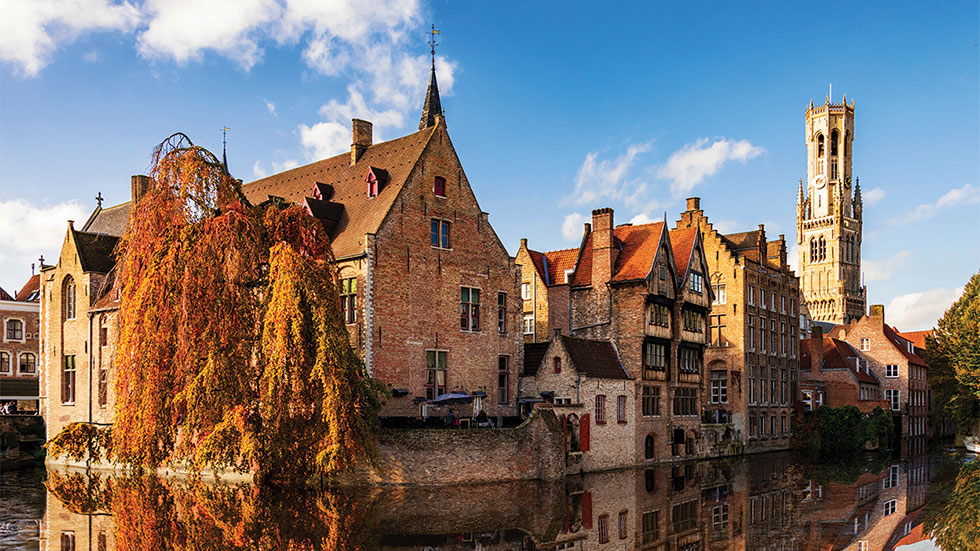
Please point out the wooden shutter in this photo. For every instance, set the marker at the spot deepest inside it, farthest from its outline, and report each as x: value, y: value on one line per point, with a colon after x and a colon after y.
x: 587, y: 510
x: 584, y: 433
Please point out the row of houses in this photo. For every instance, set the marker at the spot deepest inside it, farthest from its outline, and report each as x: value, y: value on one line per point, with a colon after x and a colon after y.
x: 651, y: 342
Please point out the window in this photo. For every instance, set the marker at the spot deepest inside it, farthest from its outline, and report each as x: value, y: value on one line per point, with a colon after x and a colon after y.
x: 751, y: 295
x: 102, y: 542
x: 782, y: 424
x: 651, y: 401
x: 439, y: 187
x: 762, y: 299
x: 782, y: 339
x: 603, y: 528
x: 68, y: 299
x: 782, y: 303
x: 28, y: 363
x: 762, y: 336
x: 685, y: 515
x: 685, y: 401
x: 890, y: 507
x: 892, y: 396
x: 833, y: 142
x: 68, y: 380
x: 891, y: 370
x: 697, y: 283
x: 373, y: 185
x: 469, y: 313
x: 719, y: 518
x: 721, y: 296
x: 655, y: 356
x: 772, y: 301
x: 501, y: 312
x: 623, y: 529
x: 528, y: 324
x: 820, y: 146
x: 440, y: 233
x: 103, y: 386
x: 865, y: 344
x: 15, y: 330
x: 600, y: 409
x: 751, y: 426
x: 68, y: 541
x: 557, y: 364
x: 772, y: 335
x: 526, y: 291
x: 792, y: 306
x: 719, y: 387
x: 503, y: 379
x: 782, y: 387
x: 717, y: 330
x: 663, y: 272
x: 751, y: 332
x: 863, y: 545
x: 348, y: 299
x: 751, y: 371
x: 693, y: 321
x: 621, y: 409
x: 772, y: 426
x: 4, y: 362
x: 690, y: 359
x: 762, y: 426
x: 808, y: 400
x: 892, y: 480
x: 650, y: 526
x: 659, y: 315
x: 435, y: 373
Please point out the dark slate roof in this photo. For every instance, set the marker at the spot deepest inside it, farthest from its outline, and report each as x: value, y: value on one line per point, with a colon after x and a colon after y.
x: 595, y: 359
x: 4, y: 295
x: 109, y: 220
x: 743, y: 240
x: 533, y: 356
x: 95, y: 251
x: 433, y: 105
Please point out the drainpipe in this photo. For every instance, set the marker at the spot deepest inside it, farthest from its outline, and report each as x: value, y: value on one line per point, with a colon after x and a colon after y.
x: 578, y: 383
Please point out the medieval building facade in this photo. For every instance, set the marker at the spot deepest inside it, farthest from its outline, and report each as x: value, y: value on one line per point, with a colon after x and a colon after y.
x: 20, y: 362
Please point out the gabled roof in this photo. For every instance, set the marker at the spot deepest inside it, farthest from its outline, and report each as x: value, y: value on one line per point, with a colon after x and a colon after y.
x: 362, y: 214
x: 533, y: 356
x: 683, y: 242
x: 742, y: 241
x: 837, y: 354
x: 558, y: 263
x: 899, y: 343
x: 638, y: 248
x: 596, y: 359
x: 4, y: 295
x: 540, y: 265
x: 95, y: 251
x: 108, y: 221
x: 29, y: 290
x: 918, y: 338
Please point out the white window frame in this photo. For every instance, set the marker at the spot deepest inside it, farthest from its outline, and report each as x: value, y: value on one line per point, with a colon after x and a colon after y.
x: 890, y: 507
x: 892, y: 374
x: 721, y: 294
x: 528, y: 324
x: 526, y: 290
x: 865, y: 344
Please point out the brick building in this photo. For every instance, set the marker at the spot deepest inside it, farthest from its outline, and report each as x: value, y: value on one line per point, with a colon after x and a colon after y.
x: 641, y: 288
x: 833, y: 374
x: 545, y: 290
x: 20, y: 362
x: 751, y: 360
x: 902, y: 373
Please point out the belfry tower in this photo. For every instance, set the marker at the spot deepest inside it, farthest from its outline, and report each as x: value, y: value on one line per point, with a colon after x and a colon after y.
x: 828, y: 217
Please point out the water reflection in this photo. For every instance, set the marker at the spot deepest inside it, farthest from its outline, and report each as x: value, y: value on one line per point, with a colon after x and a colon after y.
x: 769, y: 502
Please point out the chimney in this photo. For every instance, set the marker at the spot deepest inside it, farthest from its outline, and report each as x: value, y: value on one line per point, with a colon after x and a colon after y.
x: 523, y: 242
x: 603, y: 246
x: 782, y: 251
x: 763, y: 244
x: 363, y: 138
x: 693, y: 203
x: 140, y: 184
x: 816, y: 347
x: 877, y: 313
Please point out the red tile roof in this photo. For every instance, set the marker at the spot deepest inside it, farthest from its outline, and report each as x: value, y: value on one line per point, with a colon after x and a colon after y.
x: 33, y: 284
x: 362, y: 214
x: 918, y: 338
x: 682, y: 241
x: 537, y: 260
x: 899, y: 343
x: 837, y: 354
x: 558, y: 263
x: 638, y: 247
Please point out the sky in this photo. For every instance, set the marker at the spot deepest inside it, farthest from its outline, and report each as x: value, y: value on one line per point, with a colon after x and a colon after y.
x: 555, y: 109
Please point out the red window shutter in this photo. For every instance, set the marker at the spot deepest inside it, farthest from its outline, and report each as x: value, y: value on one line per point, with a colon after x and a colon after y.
x: 587, y: 509
x: 584, y: 433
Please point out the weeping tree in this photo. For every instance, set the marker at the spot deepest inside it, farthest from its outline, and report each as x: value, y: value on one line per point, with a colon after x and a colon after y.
x: 233, y: 351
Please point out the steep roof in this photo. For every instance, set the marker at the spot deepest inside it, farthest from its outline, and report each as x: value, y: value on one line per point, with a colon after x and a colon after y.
x: 28, y: 293
x: 95, y: 251
x: 109, y: 220
x: 362, y: 214
x: 638, y: 248
x: 682, y: 242
x: 533, y: 356
x: 433, y: 105
x: 4, y: 295
x: 899, y: 343
x: 559, y: 262
x: 837, y: 354
x: 540, y: 265
x: 597, y: 359
x: 742, y: 241
x: 918, y: 338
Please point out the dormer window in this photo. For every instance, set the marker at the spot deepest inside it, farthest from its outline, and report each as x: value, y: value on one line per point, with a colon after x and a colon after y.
x: 376, y: 179
x: 372, y: 185
x: 439, y: 187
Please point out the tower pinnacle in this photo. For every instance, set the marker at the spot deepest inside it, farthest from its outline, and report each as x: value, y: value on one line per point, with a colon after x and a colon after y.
x: 432, y: 106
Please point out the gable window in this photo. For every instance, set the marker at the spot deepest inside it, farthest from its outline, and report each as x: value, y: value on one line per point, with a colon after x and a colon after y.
x: 68, y: 298
x: 697, y: 283
x: 655, y: 356
x: 4, y: 362
x: 693, y: 321
x: 348, y: 299
x: 28, y: 363
x: 469, y: 317
x: 690, y: 359
x: 720, y: 294
x: 501, y: 312
x: 891, y: 370
x: 621, y: 408
x: 503, y: 379
x: 719, y: 387
x: 557, y: 364
x: 528, y: 324
x: 440, y: 233
x: 663, y: 272
x: 439, y: 187
x: 15, y: 330
x: 68, y: 380
x: 865, y: 344
x: 651, y: 401
x: 435, y: 373
x: 659, y: 315
x: 373, y: 186
x: 526, y: 291
x: 890, y: 507
x: 600, y: 409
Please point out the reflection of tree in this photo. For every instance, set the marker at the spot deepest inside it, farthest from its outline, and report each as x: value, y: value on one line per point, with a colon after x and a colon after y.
x: 82, y: 494
x: 953, y: 513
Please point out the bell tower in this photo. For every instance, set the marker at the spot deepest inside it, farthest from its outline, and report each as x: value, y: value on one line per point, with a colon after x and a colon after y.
x: 828, y: 216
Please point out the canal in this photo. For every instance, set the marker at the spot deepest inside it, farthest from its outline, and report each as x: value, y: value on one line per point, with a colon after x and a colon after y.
x: 761, y: 502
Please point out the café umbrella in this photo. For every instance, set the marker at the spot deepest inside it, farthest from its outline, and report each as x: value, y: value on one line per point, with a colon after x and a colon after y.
x: 451, y: 398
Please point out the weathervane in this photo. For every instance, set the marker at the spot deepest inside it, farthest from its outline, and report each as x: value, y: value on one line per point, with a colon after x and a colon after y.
x: 98, y: 198
x: 224, y: 147
x: 432, y: 43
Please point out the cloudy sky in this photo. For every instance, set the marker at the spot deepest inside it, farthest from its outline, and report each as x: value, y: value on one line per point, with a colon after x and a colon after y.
x: 555, y: 109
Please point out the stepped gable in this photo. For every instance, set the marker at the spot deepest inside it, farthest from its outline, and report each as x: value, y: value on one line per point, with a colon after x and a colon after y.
x: 31, y: 288
x: 638, y: 247
x: 108, y: 221
x: 533, y: 356
x: 95, y: 251
x: 362, y: 214
x: 596, y: 359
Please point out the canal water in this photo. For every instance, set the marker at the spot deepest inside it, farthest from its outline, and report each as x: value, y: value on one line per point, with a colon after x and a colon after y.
x: 763, y: 502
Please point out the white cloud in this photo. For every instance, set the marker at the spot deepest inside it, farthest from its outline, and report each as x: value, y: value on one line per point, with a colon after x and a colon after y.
x: 571, y: 226
x: 258, y: 171
x: 642, y: 218
x: 607, y: 178
x: 873, y: 195
x: 271, y: 107
x: 691, y: 164
x: 32, y: 30
x: 966, y: 195
x: 30, y: 230
x: 725, y: 226
x: 881, y: 270
x: 324, y: 139
x: 793, y: 256
x: 91, y: 57
x: 920, y: 311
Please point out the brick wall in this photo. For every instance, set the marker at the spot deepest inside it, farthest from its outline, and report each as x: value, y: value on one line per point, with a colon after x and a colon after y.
x: 28, y: 314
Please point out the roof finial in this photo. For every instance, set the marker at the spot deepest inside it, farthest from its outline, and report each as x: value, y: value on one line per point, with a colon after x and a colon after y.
x: 98, y: 199
x: 224, y: 148
x: 830, y: 94
x: 432, y: 107
x: 433, y: 43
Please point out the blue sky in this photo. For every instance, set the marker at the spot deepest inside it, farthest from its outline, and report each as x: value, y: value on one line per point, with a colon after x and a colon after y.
x: 554, y: 108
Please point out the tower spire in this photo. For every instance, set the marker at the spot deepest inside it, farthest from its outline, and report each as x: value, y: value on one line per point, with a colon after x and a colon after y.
x: 432, y: 107
x: 224, y: 148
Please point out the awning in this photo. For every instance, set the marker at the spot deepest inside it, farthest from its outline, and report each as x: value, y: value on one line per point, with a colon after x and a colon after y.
x: 451, y: 398
x: 19, y: 389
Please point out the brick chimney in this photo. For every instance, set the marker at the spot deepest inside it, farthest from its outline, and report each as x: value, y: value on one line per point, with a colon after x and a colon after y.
x: 139, y: 184
x: 690, y: 218
x: 877, y: 314
x: 763, y: 244
x: 816, y: 347
x: 603, y: 246
x: 363, y: 132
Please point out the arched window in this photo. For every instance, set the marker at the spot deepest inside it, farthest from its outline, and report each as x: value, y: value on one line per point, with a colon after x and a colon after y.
x: 68, y: 298
x: 820, y: 146
x: 650, y: 480
x: 15, y: 330
x: 822, y: 251
x: 834, y: 137
x: 813, y: 250
x: 649, y: 447
x: 28, y: 363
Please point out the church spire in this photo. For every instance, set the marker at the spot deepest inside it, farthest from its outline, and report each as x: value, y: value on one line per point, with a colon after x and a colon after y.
x: 432, y: 107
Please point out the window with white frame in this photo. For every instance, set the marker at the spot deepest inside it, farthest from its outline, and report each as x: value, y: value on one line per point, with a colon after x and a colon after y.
x: 435, y: 373
x: 751, y: 295
x: 440, y: 233
x: 719, y: 386
x: 891, y: 370
x: 721, y: 296
x: 772, y: 301
x: 892, y: 396
x: 348, y: 299
x: 526, y: 291
x: 890, y: 507
x: 808, y: 400
x: 762, y: 299
x: 28, y: 363
x: 4, y: 362
x: 528, y: 324
x: 865, y: 344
